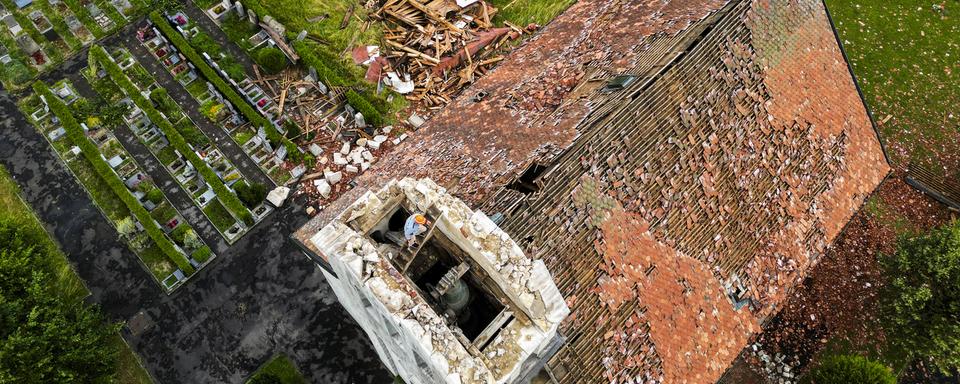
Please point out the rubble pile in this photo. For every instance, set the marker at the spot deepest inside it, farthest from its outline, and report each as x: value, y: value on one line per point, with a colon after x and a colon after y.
x: 338, y: 162
x: 435, y: 48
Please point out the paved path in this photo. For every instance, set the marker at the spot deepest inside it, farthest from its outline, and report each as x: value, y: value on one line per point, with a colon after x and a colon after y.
x: 261, y: 296
x: 191, y: 107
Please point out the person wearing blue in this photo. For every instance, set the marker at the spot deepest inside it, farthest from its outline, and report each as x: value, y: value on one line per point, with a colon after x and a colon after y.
x: 415, y: 225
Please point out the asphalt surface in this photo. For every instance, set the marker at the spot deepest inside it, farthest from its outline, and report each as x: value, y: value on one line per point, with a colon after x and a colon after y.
x: 261, y: 296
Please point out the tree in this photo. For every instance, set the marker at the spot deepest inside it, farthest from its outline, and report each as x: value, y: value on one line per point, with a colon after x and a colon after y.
x: 848, y: 369
x: 271, y: 59
x: 161, y: 98
x: 293, y: 130
x: 112, y: 114
x: 251, y: 195
x: 43, y: 337
x: 921, y: 303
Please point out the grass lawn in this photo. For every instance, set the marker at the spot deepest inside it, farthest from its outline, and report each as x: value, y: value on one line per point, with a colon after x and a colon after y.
x: 219, y: 215
x: 98, y: 189
x: 69, y: 284
x: 159, y: 264
x: 906, y: 55
x: 281, y: 367
x: 523, y: 12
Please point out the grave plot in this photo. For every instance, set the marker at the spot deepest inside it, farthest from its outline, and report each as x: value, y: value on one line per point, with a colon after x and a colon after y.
x: 277, y: 162
x: 81, y: 133
x: 232, y: 203
x: 36, y: 36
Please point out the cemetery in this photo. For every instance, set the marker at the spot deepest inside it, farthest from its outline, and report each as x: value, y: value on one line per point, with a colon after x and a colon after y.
x: 140, y: 211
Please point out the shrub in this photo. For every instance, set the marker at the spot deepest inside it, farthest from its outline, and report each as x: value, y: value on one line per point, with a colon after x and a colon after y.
x: 370, y: 114
x: 211, y: 110
x: 179, y: 233
x: 126, y: 226
x: 226, y: 196
x: 849, y: 369
x: 922, y: 300
x: 167, y: 5
x: 192, y: 240
x: 155, y: 195
x: 92, y: 154
x: 271, y: 59
x: 251, y: 195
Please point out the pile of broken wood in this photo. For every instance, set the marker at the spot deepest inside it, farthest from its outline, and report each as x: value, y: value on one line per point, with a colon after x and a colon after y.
x: 302, y: 101
x: 439, y: 46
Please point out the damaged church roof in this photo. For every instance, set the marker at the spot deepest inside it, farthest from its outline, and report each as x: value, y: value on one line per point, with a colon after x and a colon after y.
x: 676, y: 214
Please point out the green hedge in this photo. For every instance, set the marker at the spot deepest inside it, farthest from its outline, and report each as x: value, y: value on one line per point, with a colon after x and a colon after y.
x: 223, y: 193
x: 245, y: 108
x: 848, y: 369
x: 90, y: 151
x: 312, y: 58
x: 362, y: 105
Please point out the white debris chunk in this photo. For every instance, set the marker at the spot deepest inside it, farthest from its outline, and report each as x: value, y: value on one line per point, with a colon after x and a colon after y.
x: 323, y: 187
x: 332, y: 177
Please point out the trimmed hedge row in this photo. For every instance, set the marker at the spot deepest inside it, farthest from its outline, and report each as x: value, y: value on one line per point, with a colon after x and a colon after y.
x: 213, y: 76
x: 362, y: 105
x: 311, y: 58
x: 225, y: 195
x: 90, y: 151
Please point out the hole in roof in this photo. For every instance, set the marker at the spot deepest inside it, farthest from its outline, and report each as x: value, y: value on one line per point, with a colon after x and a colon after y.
x: 479, y: 96
x: 618, y: 84
x: 527, y: 182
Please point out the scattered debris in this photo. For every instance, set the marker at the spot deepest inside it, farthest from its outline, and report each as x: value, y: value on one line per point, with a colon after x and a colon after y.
x: 434, y: 49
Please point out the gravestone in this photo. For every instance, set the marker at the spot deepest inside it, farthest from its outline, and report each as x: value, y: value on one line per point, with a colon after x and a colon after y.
x: 360, y: 121
x: 302, y: 35
x: 237, y: 6
x: 251, y: 16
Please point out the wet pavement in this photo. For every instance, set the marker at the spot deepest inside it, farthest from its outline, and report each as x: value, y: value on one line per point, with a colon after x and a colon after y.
x: 259, y: 297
